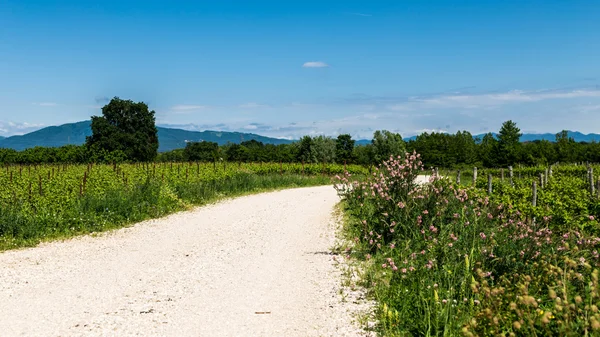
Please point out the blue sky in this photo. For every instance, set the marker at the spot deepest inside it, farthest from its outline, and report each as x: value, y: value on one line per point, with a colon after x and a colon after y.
x: 289, y: 68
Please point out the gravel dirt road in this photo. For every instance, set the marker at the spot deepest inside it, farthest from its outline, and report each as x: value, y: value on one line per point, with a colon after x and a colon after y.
x: 252, y: 266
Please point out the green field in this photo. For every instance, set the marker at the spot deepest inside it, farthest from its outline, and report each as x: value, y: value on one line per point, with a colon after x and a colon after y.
x: 448, y: 260
x: 52, y: 201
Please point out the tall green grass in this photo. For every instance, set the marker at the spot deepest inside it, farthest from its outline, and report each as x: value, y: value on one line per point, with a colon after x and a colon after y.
x: 22, y: 226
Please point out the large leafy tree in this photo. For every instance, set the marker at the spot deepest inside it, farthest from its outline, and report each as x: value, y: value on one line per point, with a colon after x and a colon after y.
x: 509, y: 145
x: 201, y: 151
x: 488, y: 149
x: 324, y: 148
x: 344, y: 147
x: 306, y: 150
x: 386, y: 144
x: 125, y: 126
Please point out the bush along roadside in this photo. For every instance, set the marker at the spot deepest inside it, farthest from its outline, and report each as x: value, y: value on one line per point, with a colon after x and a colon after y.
x: 442, y: 260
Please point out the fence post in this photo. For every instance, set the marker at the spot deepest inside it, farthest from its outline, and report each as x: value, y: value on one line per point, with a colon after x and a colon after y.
x: 541, y: 180
x: 458, y: 177
x: 437, y: 172
x: 534, y: 193
x: 474, y: 176
x: 510, y: 175
x: 489, y: 183
x: 591, y: 179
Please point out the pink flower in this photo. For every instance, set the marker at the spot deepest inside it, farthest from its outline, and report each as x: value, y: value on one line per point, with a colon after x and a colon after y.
x: 404, y: 270
x: 482, y: 235
x: 401, y: 204
x: 592, y: 217
x: 425, y: 212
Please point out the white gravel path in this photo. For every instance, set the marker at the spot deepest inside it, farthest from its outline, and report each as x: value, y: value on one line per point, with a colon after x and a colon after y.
x: 205, y: 272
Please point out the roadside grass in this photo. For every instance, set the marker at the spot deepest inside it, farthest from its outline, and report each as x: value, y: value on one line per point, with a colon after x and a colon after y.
x: 445, y: 260
x: 22, y: 226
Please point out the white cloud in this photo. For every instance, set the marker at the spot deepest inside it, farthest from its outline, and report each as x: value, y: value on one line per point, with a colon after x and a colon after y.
x: 250, y: 127
x: 431, y: 131
x: 490, y: 99
x: 8, y: 129
x: 187, y: 107
x: 252, y: 105
x: 315, y: 64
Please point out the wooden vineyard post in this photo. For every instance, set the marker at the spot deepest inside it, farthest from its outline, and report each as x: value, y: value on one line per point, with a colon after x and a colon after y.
x: 550, y: 171
x: 510, y: 175
x: 542, y: 180
x: 534, y: 194
x: 474, y: 176
x: 546, y: 177
x: 458, y: 177
x: 591, y: 180
x: 489, y: 183
x: 437, y: 172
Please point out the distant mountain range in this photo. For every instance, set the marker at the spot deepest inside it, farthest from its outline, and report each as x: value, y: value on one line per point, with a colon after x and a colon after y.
x: 170, y: 139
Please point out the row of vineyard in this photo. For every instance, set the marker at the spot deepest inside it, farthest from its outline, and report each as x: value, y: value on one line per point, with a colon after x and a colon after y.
x: 511, y: 255
x: 46, y: 201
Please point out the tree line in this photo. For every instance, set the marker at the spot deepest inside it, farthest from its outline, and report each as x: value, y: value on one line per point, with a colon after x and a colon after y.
x: 126, y: 132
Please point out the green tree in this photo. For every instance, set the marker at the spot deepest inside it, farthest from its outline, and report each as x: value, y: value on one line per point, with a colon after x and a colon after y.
x: 565, y: 147
x: 386, y: 144
x: 201, y: 151
x: 509, y: 143
x: 125, y: 126
x: 364, y: 154
x: 344, y: 148
x: 324, y: 148
x: 306, y: 151
x: 488, y: 149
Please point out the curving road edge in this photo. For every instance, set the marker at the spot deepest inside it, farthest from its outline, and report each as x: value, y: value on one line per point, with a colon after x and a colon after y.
x: 253, y: 266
